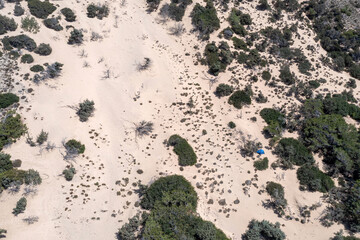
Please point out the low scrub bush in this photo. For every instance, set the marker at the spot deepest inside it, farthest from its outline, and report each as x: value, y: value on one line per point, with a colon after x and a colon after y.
x: 11, y: 128
x: 74, y: 145
x: 20, y: 206
x: 239, y: 43
x: 27, y: 58
x: 32, y: 177
x: 217, y: 58
x: 153, y: 5
x: 30, y: 24
x: 18, y: 10
x: 223, y: 90
x: 69, y: 173
x: 5, y: 162
x: 314, y: 179
x: 8, y: 99
x: 271, y: 115
x: 85, y: 110
x: 286, y: 76
x: 239, y: 99
x: 43, y: 49
x: 53, y: 23
x: 98, y: 11
x: 37, y: 68
x: 266, y: 75
x: 277, y: 194
x: 262, y: 164
x: 41, y: 9
x: 205, y: 19
x: 19, y: 42
x: 76, y: 37
x: 182, y: 148
x: 42, y: 137
x: 7, y: 24
x: 69, y: 14
x: 263, y: 230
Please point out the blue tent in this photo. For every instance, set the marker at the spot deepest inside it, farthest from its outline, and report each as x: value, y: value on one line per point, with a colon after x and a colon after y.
x: 260, y: 151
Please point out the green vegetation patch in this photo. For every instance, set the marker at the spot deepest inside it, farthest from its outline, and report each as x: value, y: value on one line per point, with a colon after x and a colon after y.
x: 205, y: 19
x: 313, y: 179
x: 7, y: 99
x: 41, y: 9
x: 262, y: 164
x: 217, y: 58
x: 239, y: 99
x: 263, y: 230
x: 20, y: 42
x: 7, y: 24
x: 11, y: 128
x: 69, y: 14
x: 182, y: 148
x: 73, y: 144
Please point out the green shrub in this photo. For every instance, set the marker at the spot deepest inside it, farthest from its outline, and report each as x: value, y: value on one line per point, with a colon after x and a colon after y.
x: 313, y: 179
x: 18, y: 10
x: 176, y: 9
x: 76, y: 37
x: 232, y: 125
x: 27, y: 58
x: 239, y: 43
x: 11, y: 176
x: 266, y: 75
x: 42, y: 137
x: 217, y: 58
x: 292, y: 151
x: 262, y: 164
x: 205, y: 19
x: 182, y: 148
x: 7, y: 99
x: 37, y: 68
x: 271, y: 115
x: 7, y: 24
x: 99, y: 11
x: 237, y: 19
x: 153, y: 5
x: 30, y: 24
x: 17, y: 163
x: 263, y: 230
x: 43, y: 49
x: 85, y: 110
x: 41, y: 9
x: 239, y: 99
x: 20, y: 42
x: 165, y: 185
x: 69, y: 14
x: 53, y: 23
x: 286, y: 76
x: 5, y: 162
x: 263, y: 5
x: 223, y: 90
x: 314, y: 84
x: 11, y: 128
x: 32, y: 177
x: 69, y: 173
x: 73, y: 144
x: 20, y: 206
x: 355, y: 71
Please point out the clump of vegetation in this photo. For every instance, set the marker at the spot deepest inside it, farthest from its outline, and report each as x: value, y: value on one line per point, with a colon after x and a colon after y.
x: 43, y: 49
x: 292, y: 151
x: 251, y: 60
x: 239, y: 43
x: 32, y: 177
x: 176, y: 9
x: 5, y: 162
x: 217, y: 58
x: 278, y: 201
x: 237, y: 20
x: 286, y: 76
x: 52, y: 71
x: 69, y: 173
x: 7, y: 24
x: 20, y: 206
x: 18, y: 10
x: 231, y: 125
x: 98, y: 11
x: 153, y: 5
x: 266, y: 75
x: 262, y: 164
x: 30, y: 24
x: 41, y: 9
x: 239, y: 99
x: 76, y: 37
x: 11, y: 128
x: 8, y: 99
x: 85, y: 110
x: 69, y: 14
x: 182, y: 148
x: 275, y: 120
x: 263, y: 230
x: 172, y: 203
x: 313, y: 179
x: 144, y: 128
x: 75, y: 146
x: 27, y: 58
x: 42, y: 137
x: 20, y: 42
x: 205, y: 19
x: 223, y: 90
x: 37, y: 68
x: 53, y: 23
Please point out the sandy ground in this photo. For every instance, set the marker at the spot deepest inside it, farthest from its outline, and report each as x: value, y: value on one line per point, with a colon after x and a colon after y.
x: 101, y: 196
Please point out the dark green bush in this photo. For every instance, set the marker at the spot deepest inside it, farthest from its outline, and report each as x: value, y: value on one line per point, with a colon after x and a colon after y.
x: 37, y: 68
x: 239, y: 99
x: 232, y: 125
x: 237, y: 19
x: 286, y: 76
x: 314, y: 84
x: 5, y: 162
x: 27, y: 58
x: 53, y: 23
x: 98, y: 11
x: 239, y: 44
x: 153, y: 5
x: 73, y: 144
x: 292, y: 151
x: 42, y: 137
x: 20, y: 206
x: 11, y: 176
x: 32, y: 177
x: 7, y: 24
x: 43, y: 49
x: 263, y: 5
x: 69, y: 173
x: 85, y: 110
x: 182, y: 148
x: 7, y: 99
x: 314, y: 179
x: 355, y: 71
x: 69, y: 14
x: 76, y: 37
x: 11, y: 128
x: 266, y: 75
x: 19, y: 42
x: 217, y: 58
x: 18, y: 10
x: 176, y: 9
x: 223, y: 90
x: 164, y: 185
x: 271, y: 115
x: 41, y: 9
x: 16, y: 163
x: 205, y: 19
x: 275, y: 190
x: 262, y: 164
x: 263, y: 230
